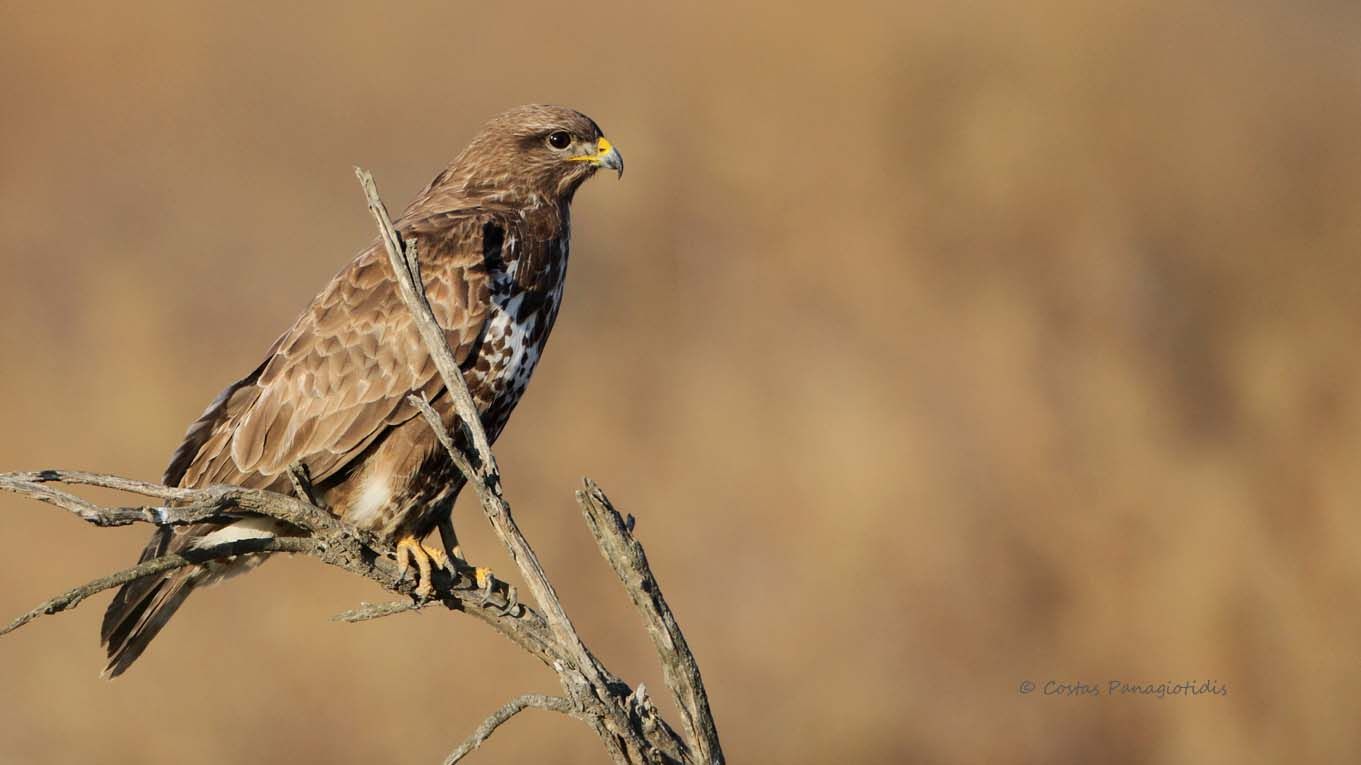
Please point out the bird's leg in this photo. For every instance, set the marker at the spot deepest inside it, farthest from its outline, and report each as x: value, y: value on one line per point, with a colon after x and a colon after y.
x: 450, y: 539
x: 410, y: 549
x: 438, y: 556
x: 483, y: 576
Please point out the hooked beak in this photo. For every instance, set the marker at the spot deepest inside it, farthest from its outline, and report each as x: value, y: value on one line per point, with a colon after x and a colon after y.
x: 605, y: 156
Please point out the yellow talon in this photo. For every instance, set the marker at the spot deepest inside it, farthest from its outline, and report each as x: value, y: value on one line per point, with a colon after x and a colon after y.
x: 452, y: 552
x: 410, y: 549
x: 483, y: 577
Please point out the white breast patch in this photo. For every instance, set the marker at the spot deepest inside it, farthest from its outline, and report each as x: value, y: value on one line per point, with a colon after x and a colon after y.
x: 375, y: 495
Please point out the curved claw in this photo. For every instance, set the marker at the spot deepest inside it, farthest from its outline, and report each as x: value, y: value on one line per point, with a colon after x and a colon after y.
x: 410, y: 550
x: 482, y: 576
x: 487, y: 585
x: 486, y: 582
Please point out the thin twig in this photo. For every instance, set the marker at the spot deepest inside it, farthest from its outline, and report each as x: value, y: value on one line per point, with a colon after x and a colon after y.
x: 432, y: 419
x: 406, y: 267
x: 500, y: 716
x: 81, y: 477
x: 301, y: 478
x: 197, y: 504
x: 72, y: 598
x: 369, y: 611
x: 106, y: 517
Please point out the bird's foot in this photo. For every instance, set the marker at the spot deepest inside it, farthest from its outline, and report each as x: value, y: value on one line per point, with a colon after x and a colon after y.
x: 486, y: 582
x: 485, y: 579
x: 412, y: 550
x: 482, y: 576
x: 487, y: 585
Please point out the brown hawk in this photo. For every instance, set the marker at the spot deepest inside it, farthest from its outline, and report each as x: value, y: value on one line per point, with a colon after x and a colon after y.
x: 492, y: 234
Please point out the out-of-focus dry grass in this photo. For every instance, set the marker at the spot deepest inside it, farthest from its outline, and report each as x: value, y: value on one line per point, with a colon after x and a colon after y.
x: 936, y: 348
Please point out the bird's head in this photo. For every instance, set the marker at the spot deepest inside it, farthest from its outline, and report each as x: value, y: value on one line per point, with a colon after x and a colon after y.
x: 533, y: 151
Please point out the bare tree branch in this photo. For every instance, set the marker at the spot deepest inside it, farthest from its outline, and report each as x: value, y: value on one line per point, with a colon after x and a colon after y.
x: 432, y: 419
x: 113, y: 516
x: 341, y: 545
x: 511, y: 708
x: 625, y: 555
x: 407, y: 268
x: 71, y: 598
x: 301, y: 479
x: 370, y: 611
x: 196, y: 504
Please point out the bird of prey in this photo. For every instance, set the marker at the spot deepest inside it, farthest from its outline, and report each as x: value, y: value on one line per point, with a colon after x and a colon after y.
x: 492, y: 234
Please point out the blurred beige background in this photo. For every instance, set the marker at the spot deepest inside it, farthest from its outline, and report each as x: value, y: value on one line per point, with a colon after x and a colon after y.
x: 936, y: 347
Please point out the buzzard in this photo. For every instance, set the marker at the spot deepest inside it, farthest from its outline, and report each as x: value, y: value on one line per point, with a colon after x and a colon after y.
x: 492, y: 235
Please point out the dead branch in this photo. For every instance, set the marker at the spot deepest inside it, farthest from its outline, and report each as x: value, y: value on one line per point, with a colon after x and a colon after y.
x: 71, y: 598
x: 625, y: 719
x: 625, y: 555
x: 197, y: 504
x: 510, y: 709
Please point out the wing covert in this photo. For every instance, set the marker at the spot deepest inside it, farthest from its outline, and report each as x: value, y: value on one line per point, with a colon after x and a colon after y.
x: 339, y: 377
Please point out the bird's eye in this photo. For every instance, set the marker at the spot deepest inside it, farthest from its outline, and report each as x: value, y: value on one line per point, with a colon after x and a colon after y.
x: 559, y: 139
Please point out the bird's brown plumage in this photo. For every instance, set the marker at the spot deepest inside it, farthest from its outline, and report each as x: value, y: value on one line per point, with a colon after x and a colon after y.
x: 492, y: 235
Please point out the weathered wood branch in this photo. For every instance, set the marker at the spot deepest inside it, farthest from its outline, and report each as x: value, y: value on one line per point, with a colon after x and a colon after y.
x: 625, y: 555
x: 626, y: 721
x: 196, y: 504
x: 330, y: 540
x: 510, y: 709
x: 71, y: 598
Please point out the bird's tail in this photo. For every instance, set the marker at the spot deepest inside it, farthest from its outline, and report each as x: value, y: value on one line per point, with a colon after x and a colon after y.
x: 143, y: 606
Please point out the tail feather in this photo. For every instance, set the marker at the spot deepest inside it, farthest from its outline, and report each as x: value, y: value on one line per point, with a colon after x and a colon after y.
x: 145, y: 620
x: 142, y: 607
x: 133, y: 592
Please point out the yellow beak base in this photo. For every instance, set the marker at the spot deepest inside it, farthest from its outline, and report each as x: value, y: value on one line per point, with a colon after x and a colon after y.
x: 605, y: 156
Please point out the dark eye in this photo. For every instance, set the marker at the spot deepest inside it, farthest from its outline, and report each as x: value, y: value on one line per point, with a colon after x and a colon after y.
x: 559, y: 139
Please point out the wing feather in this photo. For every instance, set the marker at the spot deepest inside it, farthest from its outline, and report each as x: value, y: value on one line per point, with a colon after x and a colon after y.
x: 338, y: 379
